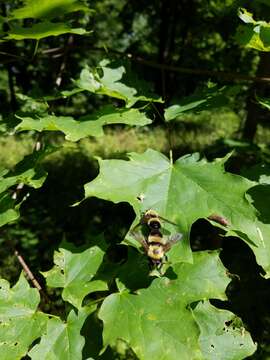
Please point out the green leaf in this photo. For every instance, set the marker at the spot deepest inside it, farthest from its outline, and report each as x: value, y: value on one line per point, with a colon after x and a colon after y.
x: 246, y: 16
x: 205, y: 99
x: 159, y: 320
x: 116, y: 81
x: 223, y: 335
x: 62, y: 339
x: 264, y: 102
x: 246, y: 36
x: 255, y: 34
x: 46, y: 9
x: 89, y: 125
x: 20, y: 322
x: 41, y: 30
x: 183, y: 192
x: 28, y: 172
x: 259, y: 173
x: 29, y: 105
x: 74, y: 272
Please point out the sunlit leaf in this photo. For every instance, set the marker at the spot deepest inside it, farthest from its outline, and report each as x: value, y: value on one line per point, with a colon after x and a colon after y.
x: 246, y: 16
x: 46, y: 9
x: 114, y: 80
x: 183, y: 192
x: 74, y: 272
x: 264, y: 102
x: 88, y: 125
x: 20, y: 321
x: 255, y: 34
x: 42, y: 30
x: 158, y: 320
x: 223, y: 335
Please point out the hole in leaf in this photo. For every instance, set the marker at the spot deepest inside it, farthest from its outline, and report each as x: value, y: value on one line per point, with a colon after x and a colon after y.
x: 228, y: 323
x: 212, y: 346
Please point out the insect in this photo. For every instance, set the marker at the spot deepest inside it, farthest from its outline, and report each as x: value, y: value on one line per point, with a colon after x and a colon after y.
x: 153, y: 220
x: 155, y: 244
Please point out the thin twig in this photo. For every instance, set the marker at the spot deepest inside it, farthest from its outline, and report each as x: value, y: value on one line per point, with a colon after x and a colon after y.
x: 13, y: 100
x: 227, y: 75
x: 168, y: 127
x: 223, y: 74
x: 183, y: 70
x: 27, y: 271
x: 63, y: 65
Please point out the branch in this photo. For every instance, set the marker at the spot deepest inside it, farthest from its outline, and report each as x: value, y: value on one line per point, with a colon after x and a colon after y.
x: 182, y: 70
x: 63, y: 65
x: 13, y: 100
x: 27, y: 271
x: 227, y: 75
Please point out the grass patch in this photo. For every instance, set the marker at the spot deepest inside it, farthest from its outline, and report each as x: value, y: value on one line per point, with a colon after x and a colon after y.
x: 193, y: 132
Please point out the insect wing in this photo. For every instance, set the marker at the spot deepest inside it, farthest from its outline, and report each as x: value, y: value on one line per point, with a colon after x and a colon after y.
x: 173, y: 239
x: 140, y: 238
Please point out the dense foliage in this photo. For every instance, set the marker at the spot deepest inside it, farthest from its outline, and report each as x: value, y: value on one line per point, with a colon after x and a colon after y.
x: 80, y: 81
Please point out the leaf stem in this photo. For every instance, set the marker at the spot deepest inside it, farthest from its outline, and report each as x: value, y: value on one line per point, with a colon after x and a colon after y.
x: 171, y: 157
x: 36, y: 49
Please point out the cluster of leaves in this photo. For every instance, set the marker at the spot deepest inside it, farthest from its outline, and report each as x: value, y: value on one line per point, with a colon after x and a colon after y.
x: 171, y: 314
x: 254, y: 34
x: 45, y: 13
x: 176, y: 311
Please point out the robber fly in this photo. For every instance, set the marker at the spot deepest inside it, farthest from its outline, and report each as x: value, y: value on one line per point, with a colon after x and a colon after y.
x: 154, y: 243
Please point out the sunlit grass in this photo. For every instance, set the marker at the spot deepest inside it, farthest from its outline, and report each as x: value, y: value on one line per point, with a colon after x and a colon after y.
x: 193, y: 132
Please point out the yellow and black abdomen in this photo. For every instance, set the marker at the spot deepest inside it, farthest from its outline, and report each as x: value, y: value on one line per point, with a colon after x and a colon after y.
x: 156, y: 237
x: 155, y: 251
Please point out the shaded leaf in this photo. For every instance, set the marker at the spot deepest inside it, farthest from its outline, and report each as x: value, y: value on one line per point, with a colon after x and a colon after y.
x: 223, y: 335
x: 259, y: 173
x: 29, y: 105
x: 20, y: 322
x: 159, y: 320
x: 183, y: 192
x: 46, y: 9
x: 74, y: 272
x: 89, y: 125
x: 205, y: 99
x: 28, y: 172
x: 41, y: 30
x: 113, y: 80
